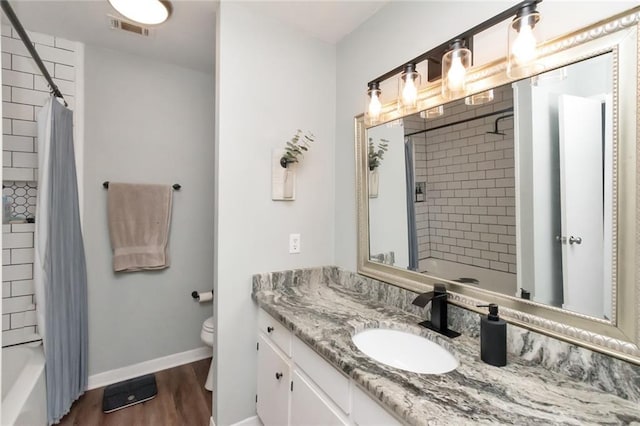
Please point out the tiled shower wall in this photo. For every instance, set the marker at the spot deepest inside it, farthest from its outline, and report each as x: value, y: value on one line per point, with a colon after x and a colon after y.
x: 24, y: 91
x: 469, y: 212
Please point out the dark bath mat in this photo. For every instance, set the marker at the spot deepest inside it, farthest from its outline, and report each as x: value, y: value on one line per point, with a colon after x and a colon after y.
x: 128, y: 393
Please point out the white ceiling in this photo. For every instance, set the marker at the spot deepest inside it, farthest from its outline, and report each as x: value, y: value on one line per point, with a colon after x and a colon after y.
x: 188, y: 37
x: 327, y: 20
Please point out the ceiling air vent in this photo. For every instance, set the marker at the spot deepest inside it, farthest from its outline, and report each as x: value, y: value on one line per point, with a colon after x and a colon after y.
x: 121, y: 24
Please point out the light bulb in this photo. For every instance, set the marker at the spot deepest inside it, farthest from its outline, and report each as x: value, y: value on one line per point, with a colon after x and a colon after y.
x: 456, y: 75
x: 524, y: 46
x: 409, y: 91
x: 374, y: 106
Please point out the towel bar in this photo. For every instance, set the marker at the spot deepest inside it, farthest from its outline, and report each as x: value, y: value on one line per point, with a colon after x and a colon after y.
x: 175, y: 186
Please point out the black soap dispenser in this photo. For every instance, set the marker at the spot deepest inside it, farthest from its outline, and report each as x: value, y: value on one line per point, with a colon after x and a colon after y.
x: 493, y: 337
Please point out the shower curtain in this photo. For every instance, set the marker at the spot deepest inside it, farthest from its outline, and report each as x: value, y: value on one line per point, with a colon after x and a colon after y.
x: 60, y: 273
x: 411, y: 207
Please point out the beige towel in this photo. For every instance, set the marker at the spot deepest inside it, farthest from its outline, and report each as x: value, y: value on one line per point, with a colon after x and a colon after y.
x: 139, y: 218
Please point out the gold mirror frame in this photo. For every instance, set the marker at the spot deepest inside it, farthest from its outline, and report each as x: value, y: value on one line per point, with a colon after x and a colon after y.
x: 621, y: 339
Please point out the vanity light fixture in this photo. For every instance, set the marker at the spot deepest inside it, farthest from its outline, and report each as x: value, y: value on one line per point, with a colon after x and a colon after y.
x: 434, y: 112
x: 455, y: 64
x: 522, y: 48
x: 408, y: 86
x: 375, y: 106
x: 450, y: 62
x: 480, y: 98
x: 147, y: 12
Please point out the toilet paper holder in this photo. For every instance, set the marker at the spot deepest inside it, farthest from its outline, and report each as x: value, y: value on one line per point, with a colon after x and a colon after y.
x: 196, y: 295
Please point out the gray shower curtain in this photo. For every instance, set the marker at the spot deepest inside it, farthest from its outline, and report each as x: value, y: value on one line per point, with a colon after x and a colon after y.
x: 61, y: 262
x: 411, y: 207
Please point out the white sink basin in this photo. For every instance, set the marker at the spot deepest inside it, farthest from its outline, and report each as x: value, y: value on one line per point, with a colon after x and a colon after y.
x: 405, y: 351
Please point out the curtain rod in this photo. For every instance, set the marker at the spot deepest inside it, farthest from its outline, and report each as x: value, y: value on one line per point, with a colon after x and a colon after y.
x: 489, y: 114
x: 17, y: 25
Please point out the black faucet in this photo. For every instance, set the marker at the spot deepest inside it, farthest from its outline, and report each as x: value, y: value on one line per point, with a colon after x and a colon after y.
x: 438, y: 299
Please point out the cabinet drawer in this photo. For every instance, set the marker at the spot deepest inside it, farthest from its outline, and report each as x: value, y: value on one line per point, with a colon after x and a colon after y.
x: 277, y: 332
x: 309, y: 408
x: 367, y: 412
x: 329, y: 379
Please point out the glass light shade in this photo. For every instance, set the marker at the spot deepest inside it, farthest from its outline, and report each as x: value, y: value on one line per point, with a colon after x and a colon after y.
x: 479, y: 98
x: 409, y: 82
x: 455, y: 64
x: 148, y: 12
x: 523, y: 46
x: 373, y: 107
x: 434, y: 112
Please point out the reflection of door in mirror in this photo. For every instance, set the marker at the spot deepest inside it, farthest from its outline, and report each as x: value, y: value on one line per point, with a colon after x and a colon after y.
x: 388, y: 211
x: 565, y: 197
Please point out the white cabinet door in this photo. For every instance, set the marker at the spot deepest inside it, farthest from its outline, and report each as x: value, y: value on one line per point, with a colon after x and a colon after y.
x: 274, y: 381
x: 308, y: 408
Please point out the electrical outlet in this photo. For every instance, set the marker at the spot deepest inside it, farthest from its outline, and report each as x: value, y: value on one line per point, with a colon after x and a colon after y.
x: 294, y: 243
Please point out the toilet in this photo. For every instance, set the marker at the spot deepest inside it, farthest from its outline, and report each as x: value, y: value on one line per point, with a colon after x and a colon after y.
x: 207, y: 338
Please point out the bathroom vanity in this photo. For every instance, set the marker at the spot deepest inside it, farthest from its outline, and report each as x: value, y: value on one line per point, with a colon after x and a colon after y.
x: 310, y: 371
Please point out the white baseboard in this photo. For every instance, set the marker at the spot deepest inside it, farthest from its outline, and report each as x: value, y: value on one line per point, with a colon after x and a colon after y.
x: 148, y: 367
x: 250, y: 421
x: 211, y: 423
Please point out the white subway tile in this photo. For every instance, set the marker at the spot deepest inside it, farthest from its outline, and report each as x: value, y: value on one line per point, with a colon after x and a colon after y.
x: 17, y: 111
x: 62, y: 43
x: 6, y: 228
x: 23, y: 227
x: 17, y: 304
x: 17, y: 272
x: 15, y: 46
x: 6, y: 158
x: 6, y: 126
x: 5, y: 322
x: 23, y: 319
x: 17, y: 79
x: 22, y: 288
x: 17, y: 240
x: 19, y: 256
x: 41, y: 39
x: 26, y: 64
x: 25, y: 159
x: 19, y: 335
x: 6, y: 93
x: 6, y: 289
x: 17, y: 143
x: 10, y: 173
x: 28, y: 96
x: 59, y: 56
x: 24, y: 128
x: 65, y: 72
x: 66, y: 87
x: 6, y: 30
x: 6, y: 257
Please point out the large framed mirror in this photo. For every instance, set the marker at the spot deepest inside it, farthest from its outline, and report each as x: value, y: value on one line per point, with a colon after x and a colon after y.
x: 528, y: 198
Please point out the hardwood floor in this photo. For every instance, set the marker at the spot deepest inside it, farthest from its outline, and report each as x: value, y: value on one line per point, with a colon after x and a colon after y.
x: 181, y: 400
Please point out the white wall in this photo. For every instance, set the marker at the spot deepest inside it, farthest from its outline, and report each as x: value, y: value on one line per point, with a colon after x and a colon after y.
x: 271, y: 80
x: 152, y: 122
x: 401, y: 31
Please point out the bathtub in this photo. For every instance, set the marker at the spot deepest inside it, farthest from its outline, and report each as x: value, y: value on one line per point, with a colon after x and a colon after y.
x: 487, y: 279
x: 24, y: 400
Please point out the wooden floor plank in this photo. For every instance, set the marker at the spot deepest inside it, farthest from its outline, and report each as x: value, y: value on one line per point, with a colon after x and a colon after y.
x: 181, y: 400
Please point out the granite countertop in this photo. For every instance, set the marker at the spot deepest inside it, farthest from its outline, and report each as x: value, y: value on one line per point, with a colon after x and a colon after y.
x: 325, y: 314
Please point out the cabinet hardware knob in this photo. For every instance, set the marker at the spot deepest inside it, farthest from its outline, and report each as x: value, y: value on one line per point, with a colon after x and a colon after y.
x: 270, y: 329
x: 575, y: 240
x: 278, y: 376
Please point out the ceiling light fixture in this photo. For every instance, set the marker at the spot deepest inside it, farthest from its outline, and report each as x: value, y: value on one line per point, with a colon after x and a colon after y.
x: 148, y: 12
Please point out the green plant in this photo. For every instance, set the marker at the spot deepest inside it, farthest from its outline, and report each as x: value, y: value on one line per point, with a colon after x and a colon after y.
x: 299, y: 143
x: 377, y: 154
